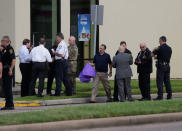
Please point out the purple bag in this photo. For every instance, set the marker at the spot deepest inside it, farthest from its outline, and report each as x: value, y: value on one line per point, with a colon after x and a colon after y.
x: 83, y: 78
x: 88, y: 70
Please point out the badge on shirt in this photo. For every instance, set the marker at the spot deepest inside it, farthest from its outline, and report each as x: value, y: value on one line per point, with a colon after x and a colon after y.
x: 11, y: 51
x: 144, y: 57
x: 60, y: 47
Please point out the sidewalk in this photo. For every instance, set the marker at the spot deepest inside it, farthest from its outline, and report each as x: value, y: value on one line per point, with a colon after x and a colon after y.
x: 73, y: 101
x: 96, y: 123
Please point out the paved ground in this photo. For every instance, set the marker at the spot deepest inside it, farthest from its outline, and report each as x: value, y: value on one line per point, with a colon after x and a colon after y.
x: 177, y: 126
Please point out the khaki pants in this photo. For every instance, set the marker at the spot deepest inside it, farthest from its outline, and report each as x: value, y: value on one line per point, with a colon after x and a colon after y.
x: 103, y: 77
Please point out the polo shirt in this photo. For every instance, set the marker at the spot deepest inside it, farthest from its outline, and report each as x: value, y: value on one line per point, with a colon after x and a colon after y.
x: 101, y: 62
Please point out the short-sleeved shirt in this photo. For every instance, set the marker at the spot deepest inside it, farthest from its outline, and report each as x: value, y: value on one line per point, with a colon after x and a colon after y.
x: 163, y: 53
x: 8, y: 55
x: 101, y: 62
x: 63, y: 50
x: 40, y: 54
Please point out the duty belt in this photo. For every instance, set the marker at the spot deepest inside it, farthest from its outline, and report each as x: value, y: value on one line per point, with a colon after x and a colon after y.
x: 162, y: 63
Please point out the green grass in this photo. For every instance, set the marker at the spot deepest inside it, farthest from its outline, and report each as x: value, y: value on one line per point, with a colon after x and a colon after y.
x: 93, y: 111
x: 84, y: 90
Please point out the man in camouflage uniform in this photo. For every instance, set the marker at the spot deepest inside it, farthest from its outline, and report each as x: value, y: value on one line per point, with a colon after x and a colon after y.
x: 72, y: 63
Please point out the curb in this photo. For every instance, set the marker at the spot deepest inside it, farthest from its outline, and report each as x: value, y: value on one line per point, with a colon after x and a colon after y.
x: 101, y: 99
x: 24, y: 103
x: 54, y: 102
x: 97, y: 123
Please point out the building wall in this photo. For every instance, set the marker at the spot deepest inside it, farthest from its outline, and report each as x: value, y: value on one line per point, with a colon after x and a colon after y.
x: 65, y: 18
x: 15, y: 22
x: 138, y: 21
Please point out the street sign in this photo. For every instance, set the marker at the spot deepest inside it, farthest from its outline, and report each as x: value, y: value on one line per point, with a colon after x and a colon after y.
x: 97, y: 13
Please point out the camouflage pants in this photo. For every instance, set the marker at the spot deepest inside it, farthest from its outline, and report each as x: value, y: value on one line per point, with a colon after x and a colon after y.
x: 72, y: 81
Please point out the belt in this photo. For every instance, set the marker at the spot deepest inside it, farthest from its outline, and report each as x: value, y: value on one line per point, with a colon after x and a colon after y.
x: 38, y: 62
x: 162, y: 63
x: 6, y: 66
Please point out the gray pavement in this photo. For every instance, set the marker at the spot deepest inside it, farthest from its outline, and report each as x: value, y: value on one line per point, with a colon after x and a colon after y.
x: 175, y: 126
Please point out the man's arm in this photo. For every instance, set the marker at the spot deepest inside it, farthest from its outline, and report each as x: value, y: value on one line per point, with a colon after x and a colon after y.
x: 12, y: 67
x: 1, y: 69
x: 131, y: 60
x: 110, y: 70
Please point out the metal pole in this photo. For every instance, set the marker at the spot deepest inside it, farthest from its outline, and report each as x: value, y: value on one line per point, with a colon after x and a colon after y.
x: 95, y: 30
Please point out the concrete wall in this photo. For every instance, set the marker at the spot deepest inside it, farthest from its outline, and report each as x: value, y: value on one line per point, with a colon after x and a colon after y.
x: 15, y: 22
x: 138, y: 21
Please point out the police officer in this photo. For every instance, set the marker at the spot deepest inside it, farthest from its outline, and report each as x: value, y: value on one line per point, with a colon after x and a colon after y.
x: 144, y: 68
x: 123, y: 44
x: 39, y: 55
x: 25, y: 66
x: 8, y: 61
x: 72, y: 63
x: 51, y: 71
x: 61, y: 56
x: 163, y: 54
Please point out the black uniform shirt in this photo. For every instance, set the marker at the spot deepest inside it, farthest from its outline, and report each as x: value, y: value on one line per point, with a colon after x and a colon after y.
x: 163, y: 53
x: 8, y: 55
x: 126, y: 51
x: 146, y: 61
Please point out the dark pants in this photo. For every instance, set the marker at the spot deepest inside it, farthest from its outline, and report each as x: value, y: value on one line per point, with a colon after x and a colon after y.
x: 144, y: 85
x: 25, y: 69
x: 59, y: 76
x: 38, y: 71
x: 116, y: 92
x: 163, y: 76
x: 7, y: 86
x: 51, y: 76
x: 66, y: 80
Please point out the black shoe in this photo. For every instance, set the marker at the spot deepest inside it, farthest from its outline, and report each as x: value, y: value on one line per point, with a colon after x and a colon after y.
x: 131, y: 99
x: 92, y: 102
x: 158, y: 99
x: 169, y: 98
x: 115, y: 100
x: 142, y: 99
x: 56, y: 95
x: 40, y: 95
x: 122, y: 101
x: 7, y: 108
x: 147, y: 99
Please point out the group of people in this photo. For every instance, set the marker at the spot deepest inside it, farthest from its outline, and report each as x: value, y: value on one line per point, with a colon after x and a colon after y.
x: 59, y: 62
x: 122, y: 61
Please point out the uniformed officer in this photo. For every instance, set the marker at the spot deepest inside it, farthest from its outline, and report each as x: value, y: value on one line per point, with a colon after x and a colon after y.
x: 144, y: 68
x: 72, y: 63
x: 123, y: 44
x: 39, y: 55
x: 8, y: 61
x: 51, y: 71
x: 163, y: 54
x: 61, y: 56
x: 25, y: 66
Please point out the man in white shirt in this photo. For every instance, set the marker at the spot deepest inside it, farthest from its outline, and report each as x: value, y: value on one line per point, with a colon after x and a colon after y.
x: 61, y: 56
x: 25, y: 66
x: 39, y: 55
